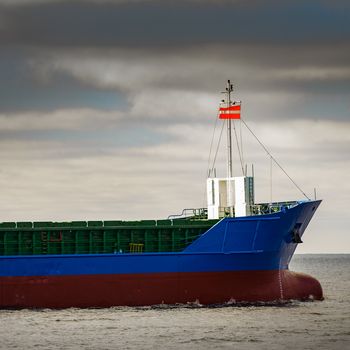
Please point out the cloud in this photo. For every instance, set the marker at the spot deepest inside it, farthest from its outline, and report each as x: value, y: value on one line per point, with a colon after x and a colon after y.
x: 134, y: 24
x: 107, y: 107
x: 187, y: 83
x: 293, y: 63
x: 105, y: 55
x: 101, y: 2
x: 61, y: 119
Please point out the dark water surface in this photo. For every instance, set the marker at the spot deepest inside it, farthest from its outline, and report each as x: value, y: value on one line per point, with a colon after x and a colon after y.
x: 296, y: 325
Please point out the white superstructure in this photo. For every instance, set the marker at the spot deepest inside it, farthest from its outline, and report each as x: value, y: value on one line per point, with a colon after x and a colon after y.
x: 221, y: 190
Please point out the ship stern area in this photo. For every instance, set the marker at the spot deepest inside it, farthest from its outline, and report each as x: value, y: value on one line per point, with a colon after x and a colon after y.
x: 258, y: 251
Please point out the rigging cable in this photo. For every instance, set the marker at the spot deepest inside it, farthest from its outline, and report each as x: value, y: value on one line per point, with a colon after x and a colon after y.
x: 241, y: 141
x: 274, y: 159
x: 210, y: 170
x: 211, y: 144
x: 217, y: 148
x: 239, y: 150
x: 271, y: 179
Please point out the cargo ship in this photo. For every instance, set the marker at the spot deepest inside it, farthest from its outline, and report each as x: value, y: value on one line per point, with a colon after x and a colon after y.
x: 232, y: 251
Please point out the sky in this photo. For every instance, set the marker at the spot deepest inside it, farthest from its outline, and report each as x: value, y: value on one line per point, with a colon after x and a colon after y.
x: 107, y: 108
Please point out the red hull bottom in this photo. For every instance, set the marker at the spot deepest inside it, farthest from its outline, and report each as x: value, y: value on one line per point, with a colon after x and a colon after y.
x: 160, y: 288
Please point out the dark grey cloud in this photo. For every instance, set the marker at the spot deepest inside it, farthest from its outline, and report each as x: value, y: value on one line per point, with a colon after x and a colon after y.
x: 145, y: 83
x: 22, y: 90
x: 101, y: 55
x: 176, y: 23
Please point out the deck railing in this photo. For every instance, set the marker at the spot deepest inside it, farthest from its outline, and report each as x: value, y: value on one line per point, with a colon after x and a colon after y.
x: 254, y: 209
x: 259, y: 208
x: 269, y: 208
x: 193, y: 213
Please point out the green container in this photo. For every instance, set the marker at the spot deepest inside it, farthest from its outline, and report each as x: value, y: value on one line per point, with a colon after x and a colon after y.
x: 79, y: 223
x: 98, y: 237
x: 164, y: 222
x: 24, y: 225
x: 41, y: 224
x: 95, y: 223
x: 112, y: 223
x: 7, y: 225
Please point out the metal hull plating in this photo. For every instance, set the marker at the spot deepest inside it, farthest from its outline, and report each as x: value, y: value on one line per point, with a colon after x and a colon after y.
x: 241, y: 259
x: 156, y: 288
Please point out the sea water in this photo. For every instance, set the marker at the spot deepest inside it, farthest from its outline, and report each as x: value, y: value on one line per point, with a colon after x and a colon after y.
x: 294, y: 325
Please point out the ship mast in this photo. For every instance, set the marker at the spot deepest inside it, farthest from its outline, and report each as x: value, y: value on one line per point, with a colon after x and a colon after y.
x: 229, y: 89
